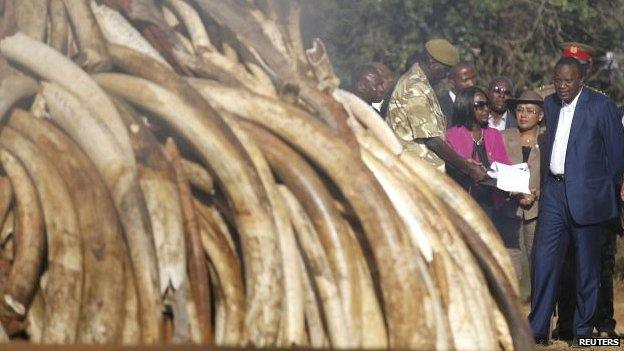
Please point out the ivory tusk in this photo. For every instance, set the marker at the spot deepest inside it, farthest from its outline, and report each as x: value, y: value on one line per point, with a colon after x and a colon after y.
x: 220, y: 312
x: 470, y: 326
x: 193, y: 23
x: 230, y: 53
x: 293, y: 34
x: 416, y: 225
x: 467, y: 210
x: 118, y: 172
x: 53, y: 66
x: 321, y: 276
x: 158, y: 185
x: 59, y: 26
x: 483, y: 240
x: 272, y: 32
x: 214, y: 218
x: 35, y: 317
x: 198, y: 269
x: 102, y: 243
x: 117, y: 30
x: 309, y: 189
x: 93, y: 55
x: 31, y: 16
x: 28, y: 240
x: 390, y: 246
x: 131, y: 327
x: 14, y: 89
x: 222, y: 152
x: 256, y: 36
x: 6, y: 197
x: 230, y: 279
x: 292, y: 324
x: 198, y: 176
x: 314, y: 319
x: 374, y: 334
x: 64, y: 287
x: 366, y: 115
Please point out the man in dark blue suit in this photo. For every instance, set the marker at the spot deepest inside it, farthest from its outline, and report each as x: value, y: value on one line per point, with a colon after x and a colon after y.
x: 585, y: 159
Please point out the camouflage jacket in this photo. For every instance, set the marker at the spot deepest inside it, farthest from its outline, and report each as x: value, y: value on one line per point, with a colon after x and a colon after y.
x: 414, y: 114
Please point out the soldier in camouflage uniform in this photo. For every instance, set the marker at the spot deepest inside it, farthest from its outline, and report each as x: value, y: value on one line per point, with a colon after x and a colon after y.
x: 414, y: 114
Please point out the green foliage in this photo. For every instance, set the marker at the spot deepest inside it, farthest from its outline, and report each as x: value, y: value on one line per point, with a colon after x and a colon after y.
x: 519, y: 39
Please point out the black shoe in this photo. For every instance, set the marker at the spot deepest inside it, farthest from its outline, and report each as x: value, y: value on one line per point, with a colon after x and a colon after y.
x: 563, y: 335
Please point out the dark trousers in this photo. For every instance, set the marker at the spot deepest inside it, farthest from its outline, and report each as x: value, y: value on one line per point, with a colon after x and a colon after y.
x: 556, y: 230
x: 566, y: 297
x: 603, y: 321
x: 603, y: 318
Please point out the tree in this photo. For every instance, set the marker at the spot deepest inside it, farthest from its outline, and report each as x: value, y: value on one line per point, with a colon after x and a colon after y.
x: 519, y: 39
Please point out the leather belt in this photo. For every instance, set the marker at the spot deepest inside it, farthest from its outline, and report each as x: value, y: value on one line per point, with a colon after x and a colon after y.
x: 557, y: 177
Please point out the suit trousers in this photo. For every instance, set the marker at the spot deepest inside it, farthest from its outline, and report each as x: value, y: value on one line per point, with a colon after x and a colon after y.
x: 603, y: 319
x: 555, y: 231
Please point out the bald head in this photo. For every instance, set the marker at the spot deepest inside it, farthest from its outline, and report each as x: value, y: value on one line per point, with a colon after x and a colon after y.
x: 462, y: 75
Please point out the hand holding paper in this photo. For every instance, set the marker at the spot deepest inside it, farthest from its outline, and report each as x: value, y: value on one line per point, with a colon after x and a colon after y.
x: 512, y: 178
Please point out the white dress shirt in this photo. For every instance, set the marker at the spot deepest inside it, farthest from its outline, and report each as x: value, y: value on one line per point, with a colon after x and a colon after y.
x: 500, y: 125
x: 377, y: 105
x: 560, y: 145
x: 452, y: 95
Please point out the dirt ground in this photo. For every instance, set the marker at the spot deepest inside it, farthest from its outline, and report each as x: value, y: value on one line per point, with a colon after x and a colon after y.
x: 619, y: 317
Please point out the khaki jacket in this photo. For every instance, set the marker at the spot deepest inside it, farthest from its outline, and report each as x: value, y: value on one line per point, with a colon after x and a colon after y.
x: 414, y: 114
x: 511, y: 138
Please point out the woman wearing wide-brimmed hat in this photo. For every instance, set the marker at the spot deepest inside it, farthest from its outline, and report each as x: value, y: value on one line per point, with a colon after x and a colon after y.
x: 519, y: 215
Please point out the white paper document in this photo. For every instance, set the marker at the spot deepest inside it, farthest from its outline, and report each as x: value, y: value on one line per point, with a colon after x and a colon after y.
x: 512, y: 178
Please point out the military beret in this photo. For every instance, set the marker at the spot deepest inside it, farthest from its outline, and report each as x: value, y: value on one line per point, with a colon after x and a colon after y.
x: 579, y: 51
x: 442, y: 51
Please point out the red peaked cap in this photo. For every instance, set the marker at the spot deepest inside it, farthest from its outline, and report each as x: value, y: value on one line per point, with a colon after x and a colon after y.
x: 579, y: 51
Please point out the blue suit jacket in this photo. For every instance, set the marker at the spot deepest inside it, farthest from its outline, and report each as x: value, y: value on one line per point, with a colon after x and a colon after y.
x: 594, y: 157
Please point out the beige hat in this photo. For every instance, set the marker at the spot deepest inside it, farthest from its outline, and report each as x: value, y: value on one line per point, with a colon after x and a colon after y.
x: 442, y: 51
x: 528, y: 97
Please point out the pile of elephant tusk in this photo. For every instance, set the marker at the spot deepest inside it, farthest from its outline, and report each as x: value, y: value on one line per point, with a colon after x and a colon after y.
x: 184, y: 171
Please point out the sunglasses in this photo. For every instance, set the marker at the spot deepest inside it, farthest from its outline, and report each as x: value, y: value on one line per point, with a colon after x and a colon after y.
x: 501, y: 90
x: 530, y: 111
x: 480, y: 105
